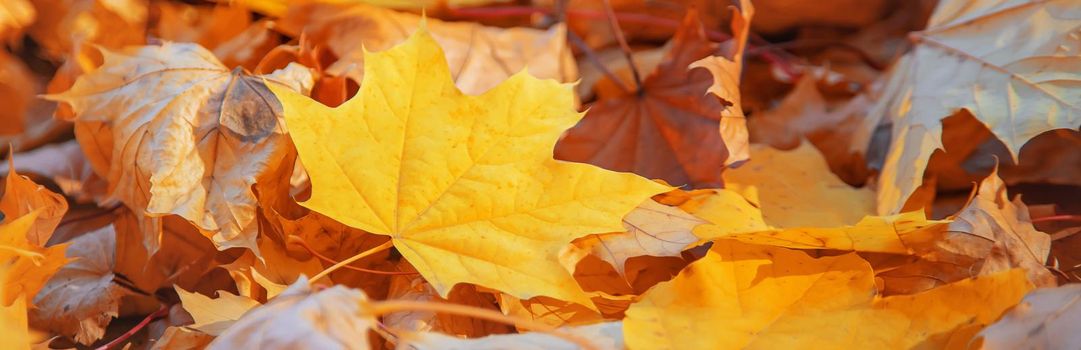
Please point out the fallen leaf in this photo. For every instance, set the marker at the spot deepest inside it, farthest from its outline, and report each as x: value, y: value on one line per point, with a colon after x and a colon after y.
x: 796, y: 189
x: 1045, y: 319
x: 299, y: 318
x: 481, y: 203
x: 603, y: 336
x: 479, y: 57
x: 23, y: 196
x: 214, y: 315
x: 16, y: 332
x: 27, y: 266
x: 415, y: 289
x: 1023, y: 75
x: 652, y: 229
x: 178, y: 338
x: 665, y: 128
x: 197, y: 152
x: 746, y: 296
x: 81, y: 298
x: 550, y: 311
x: 749, y: 296
x: 1002, y: 234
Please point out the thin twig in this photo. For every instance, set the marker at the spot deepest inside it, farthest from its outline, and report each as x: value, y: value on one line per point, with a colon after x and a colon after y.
x: 617, y: 31
x: 595, y: 61
x: 1057, y: 218
x: 164, y: 310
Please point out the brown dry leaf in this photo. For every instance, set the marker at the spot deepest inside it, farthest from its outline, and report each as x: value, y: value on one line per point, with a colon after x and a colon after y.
x: 413, y: 287
x: 805, y: 114
x: 1045, y: 319
x: 780, y: 15
x: 226, y: 30
x: 653, y: 229
x: 22, y: 196
x: 214, y: 315
x: 593, y: 27
x: 666, y: 127
x: 68, y: 167
x: 1014, y: 71
x: 17, y: 88
x: 603, y: 336
x: 197, y: 152
x: 796, y: 189
x: 299, y: 318
x: 550, y: 311
x: 479, y: 57
x: 274, y: 270
x: 1002, y: 234
x: 81, y: 298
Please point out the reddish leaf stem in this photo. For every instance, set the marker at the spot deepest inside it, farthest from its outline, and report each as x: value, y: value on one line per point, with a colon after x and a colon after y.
x: 1057, y: 218
x: 322, y: 257
x: 617, y: 31
x: 164, y: 310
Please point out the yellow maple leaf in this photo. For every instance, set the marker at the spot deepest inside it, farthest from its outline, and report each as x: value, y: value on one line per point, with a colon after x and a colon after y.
x: 28, y: 266
x: 761, y: 297
x: 465, y: 185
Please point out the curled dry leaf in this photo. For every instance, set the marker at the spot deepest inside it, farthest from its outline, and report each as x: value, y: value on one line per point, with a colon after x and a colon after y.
x: 1022, y: 57
x: 1045, y: 319
x: 195, y: 153
x: 413, y: 287
x: 68, y: 167
x: 652, y: 229
x: 22, y: 196
x: 479, y: 57
x: 666, y: 128
x: 81, y: 298
x: 1000, y: 232
x: 603, y: 336
x: 299, y: 318
x: 464, y: 185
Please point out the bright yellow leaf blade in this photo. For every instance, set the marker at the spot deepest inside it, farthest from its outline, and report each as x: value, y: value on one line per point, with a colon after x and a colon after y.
x: 760, y: 297
x: 465, y: 185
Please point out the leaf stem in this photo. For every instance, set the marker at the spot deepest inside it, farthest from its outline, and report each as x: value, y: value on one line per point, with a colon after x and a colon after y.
x: 617, y: 31
x: 351, y: 259
x: 298, y: 240
x: 164, y: 310
x: 388, y: 306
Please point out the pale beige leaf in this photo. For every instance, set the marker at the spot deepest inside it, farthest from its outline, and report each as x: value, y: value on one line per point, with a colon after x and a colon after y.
x: 299, y: 318
x: 603, y: 336
x: 1012, y: 63
x: 480, y: 57
x: 81, y: 299
x: 213, y: 315
x: 653, y: 229
x: 1045, y: 319
x: 191, y: 137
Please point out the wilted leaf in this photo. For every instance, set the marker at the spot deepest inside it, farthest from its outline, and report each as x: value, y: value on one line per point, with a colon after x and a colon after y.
x: 195, y: 153
x: 464, y: 185
x: 1015, y: 71
x: 81, y: 298
x: 299, y: 318
x: 666, y: 128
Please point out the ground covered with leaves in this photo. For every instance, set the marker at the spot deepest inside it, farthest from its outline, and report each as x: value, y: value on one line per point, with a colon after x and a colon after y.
x: 547, y: 174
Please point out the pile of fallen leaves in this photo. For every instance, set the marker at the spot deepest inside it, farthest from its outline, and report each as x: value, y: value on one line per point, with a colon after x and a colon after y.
x: 547, y: 174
